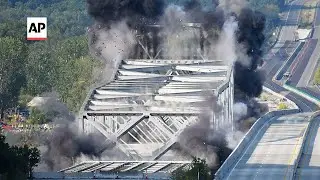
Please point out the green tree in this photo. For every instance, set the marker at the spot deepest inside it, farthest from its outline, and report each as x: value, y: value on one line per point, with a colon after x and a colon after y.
x: 12, y: 28
x: 17, y: 163
x: 12, y: 78
x: 39, y: 69
x: 282, y: 106
x: 317, y: 77
x: 73, y: 70
x: 198, y: 170
x: 24, y: 99
x: 37, y: 117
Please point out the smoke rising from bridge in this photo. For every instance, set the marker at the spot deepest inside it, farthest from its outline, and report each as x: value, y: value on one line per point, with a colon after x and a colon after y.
x: 64, y: 145
x: 232, y: 33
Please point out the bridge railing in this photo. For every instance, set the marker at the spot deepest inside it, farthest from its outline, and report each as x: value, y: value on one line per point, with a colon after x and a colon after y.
x: 230, y: 162
x: 305, y: 137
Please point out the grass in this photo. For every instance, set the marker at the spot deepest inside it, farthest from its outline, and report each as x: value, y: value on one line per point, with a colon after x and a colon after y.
x: 282, y: 106
x: 307, y: 14
x: 317, y: 77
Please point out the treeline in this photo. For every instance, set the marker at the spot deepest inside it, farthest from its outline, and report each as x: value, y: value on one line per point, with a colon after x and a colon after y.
x: 61, y: 64
x: 17, y: 162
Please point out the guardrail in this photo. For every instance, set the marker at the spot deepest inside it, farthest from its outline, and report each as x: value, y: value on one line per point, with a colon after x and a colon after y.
x: 305, y: 136
x: 288, y: 62
x: 237, y: 153
x: 303, y: 94
x: 280, y: 96
x: 100, y: 175
x: 314, y: 20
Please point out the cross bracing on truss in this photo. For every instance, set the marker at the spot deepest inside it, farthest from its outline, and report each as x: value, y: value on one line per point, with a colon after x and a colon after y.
x: 126, y: 166
x: 149, y: 88
x: 151, y: 102
x: 152, y: 99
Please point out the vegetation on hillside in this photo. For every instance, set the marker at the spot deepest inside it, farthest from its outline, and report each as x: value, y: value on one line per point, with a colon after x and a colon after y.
x: 62, y: 63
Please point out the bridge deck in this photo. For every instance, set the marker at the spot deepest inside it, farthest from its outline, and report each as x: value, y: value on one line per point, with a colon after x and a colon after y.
x: 309, y: 164
x: 273, y: 150
x: 159, y: 85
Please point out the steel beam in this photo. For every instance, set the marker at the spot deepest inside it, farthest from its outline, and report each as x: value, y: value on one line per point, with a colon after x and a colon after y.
x: 133, y: 122
x: 160, y: 97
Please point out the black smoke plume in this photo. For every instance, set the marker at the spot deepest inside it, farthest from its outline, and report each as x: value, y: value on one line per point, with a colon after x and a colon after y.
x: 250, y: 34
x: 62, y: 146
x: 250, y: 37
x: 249, y: 40
x: 134, y: 11
x: 201, y: 141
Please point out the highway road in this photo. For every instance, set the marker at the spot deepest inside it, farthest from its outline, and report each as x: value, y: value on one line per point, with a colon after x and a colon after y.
x: 285, y: 44
x: 309, y: 163
x: 273, y: 61
x: 280, y: 53
x: 271, y: 153
x: 306, y: 63
x: 312, y: 65
x: 290, y: 22
x: 300, y: 63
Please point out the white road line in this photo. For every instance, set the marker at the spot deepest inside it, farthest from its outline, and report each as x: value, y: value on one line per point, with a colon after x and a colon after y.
x: 281, y: 33
x: 300, y: 60
x: 291, y: 96
x: 301, y: 102
x: 251, y: 143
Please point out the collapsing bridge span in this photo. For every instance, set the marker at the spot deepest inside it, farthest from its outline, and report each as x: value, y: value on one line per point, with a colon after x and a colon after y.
x: 151, y: 101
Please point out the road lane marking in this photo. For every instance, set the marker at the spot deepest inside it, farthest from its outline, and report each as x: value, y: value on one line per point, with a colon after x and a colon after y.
x: 295, y: 151
x: 269, y: 130
x: 300, y: 101
x: 298, y: 59
x: 281, y: 32
x: 251, y: 143
x: 308, y: 146
x: 290, y: 96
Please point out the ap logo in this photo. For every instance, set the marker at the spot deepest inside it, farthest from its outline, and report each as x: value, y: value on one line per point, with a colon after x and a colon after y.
x: 36, y: 28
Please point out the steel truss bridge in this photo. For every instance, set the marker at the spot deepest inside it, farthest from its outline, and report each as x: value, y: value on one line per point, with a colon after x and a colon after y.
x: 151, y: 100
x: 126, y: 166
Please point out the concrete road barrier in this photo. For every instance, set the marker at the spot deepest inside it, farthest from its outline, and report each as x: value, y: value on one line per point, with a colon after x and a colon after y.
x: 303, y: 94
x: 280, y: 96
x: 288, y: 62
x: 305, y: 136
x: 237, y: 153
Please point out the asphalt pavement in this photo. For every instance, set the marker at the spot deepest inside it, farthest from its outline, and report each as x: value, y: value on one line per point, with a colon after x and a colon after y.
x: 275, y: 60
x: 304, y: 104
x: 300, y: 63
x: 273, y: 150
x: 282, y: 51
x: 311, y: 67
x: 309, y: 163
x: 291, y: 21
